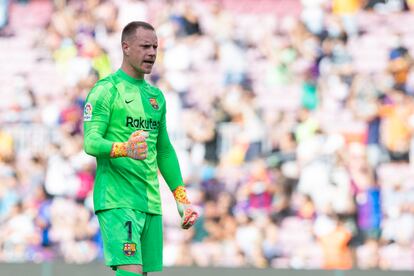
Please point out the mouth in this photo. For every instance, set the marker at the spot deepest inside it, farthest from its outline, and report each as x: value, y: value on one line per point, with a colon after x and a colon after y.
x: 149, y: 62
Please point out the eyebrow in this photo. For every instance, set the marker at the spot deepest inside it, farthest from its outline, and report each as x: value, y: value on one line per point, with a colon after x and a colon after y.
x: 148, y: 43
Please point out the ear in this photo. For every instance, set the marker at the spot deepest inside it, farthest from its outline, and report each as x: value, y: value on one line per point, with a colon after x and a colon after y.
x: 125, y: 48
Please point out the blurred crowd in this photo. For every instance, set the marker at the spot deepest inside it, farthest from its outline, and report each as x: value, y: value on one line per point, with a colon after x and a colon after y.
x: 293, y: 122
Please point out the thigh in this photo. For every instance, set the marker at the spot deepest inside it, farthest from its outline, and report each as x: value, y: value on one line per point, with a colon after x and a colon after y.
x: 121, y: 231
x: 152, y: 244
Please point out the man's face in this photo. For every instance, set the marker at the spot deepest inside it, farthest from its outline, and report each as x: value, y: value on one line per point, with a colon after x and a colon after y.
x: 140, y: 50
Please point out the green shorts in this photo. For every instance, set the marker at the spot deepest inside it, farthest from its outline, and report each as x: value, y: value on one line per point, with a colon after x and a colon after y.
x: 131, y: 237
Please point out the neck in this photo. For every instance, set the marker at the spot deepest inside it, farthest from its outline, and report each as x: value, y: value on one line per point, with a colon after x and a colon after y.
x: 130, y: 71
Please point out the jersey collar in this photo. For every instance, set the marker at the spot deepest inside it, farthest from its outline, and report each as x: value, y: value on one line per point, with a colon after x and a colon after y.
x: 128, y: 78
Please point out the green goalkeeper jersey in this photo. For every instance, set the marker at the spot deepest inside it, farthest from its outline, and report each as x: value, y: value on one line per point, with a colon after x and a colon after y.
x: 117, y: 106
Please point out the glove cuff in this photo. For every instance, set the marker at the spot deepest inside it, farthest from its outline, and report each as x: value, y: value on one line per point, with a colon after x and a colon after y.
x: 118, y: 150
x: 180, y: 195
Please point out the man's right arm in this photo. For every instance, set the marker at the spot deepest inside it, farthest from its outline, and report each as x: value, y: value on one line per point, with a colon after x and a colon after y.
x: 96, y: 116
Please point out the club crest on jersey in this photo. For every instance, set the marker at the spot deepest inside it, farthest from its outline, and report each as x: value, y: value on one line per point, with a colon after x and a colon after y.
x: 130, y: 249
x: 154, y: 103
x: 87, y: 112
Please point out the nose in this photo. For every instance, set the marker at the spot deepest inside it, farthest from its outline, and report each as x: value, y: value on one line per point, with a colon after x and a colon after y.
x: 153, y: 51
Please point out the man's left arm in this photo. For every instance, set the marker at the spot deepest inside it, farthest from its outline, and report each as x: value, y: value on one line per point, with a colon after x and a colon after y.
x: 170, y: 169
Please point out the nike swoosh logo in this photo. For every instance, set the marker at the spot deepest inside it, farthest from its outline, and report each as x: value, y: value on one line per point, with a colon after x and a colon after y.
x: 127, y: 102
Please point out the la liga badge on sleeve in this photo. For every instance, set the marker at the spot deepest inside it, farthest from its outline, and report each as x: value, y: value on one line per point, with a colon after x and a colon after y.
x: 87, y: 112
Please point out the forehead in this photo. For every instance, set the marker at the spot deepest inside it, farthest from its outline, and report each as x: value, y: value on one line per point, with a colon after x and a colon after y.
x: 144, y: 35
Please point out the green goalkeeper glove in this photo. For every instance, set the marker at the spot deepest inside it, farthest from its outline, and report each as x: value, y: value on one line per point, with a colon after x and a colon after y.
x: 135, y: 147
x: 185, y: 209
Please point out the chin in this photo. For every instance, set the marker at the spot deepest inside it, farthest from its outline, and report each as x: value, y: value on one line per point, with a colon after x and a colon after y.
x: 147, y: 71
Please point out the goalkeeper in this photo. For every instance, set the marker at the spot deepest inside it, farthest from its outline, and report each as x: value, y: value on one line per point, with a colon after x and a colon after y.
x: 125, y: 129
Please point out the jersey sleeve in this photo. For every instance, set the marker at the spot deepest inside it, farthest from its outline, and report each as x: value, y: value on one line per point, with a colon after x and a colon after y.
x: 96, y: 116
x: 167, y: 158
